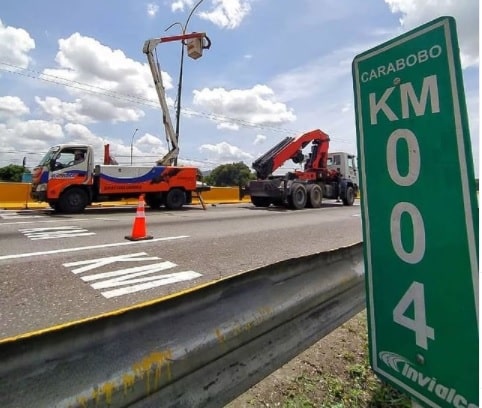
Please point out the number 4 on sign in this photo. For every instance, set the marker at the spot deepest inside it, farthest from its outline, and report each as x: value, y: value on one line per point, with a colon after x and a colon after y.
x: 415, y: 294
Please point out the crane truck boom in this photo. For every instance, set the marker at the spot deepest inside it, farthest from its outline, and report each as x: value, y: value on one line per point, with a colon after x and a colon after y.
x: 322, y: 176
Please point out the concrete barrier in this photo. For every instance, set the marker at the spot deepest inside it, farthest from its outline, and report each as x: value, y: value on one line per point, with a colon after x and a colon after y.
x: 14, y: 193
x: 17, y: 196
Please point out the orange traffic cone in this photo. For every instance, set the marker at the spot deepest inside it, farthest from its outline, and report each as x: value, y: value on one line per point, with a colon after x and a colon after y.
x: 139, y: 231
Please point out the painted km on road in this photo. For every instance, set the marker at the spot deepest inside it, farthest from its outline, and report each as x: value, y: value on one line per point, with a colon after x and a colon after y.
x: 55, y: 232
x: 118, y: 282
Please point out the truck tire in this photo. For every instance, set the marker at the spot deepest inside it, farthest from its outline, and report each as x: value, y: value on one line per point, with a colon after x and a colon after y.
x: 175, y: 199
x: 54, y: 205
x: 261, y: 201
x: 349, y: 197
x: 298, y: 196
x: 315, y: 196
x: 154, y: 200
x: 73, y: 200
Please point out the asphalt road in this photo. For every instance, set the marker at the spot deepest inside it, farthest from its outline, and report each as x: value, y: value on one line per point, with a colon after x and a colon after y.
x: 56, y: 269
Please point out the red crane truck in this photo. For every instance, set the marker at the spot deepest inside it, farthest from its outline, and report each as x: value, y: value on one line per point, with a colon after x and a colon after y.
x: 325, y: 175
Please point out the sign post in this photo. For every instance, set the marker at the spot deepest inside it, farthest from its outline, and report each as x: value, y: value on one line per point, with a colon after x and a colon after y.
x: 420, y: 216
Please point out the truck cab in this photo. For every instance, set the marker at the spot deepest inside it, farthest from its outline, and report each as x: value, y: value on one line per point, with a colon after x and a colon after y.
x: 345, y: 164
x: 63, y: 167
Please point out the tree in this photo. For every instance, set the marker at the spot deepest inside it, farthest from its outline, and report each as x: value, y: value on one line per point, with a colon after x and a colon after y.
x: 230, y: 175
x: 12, y: 172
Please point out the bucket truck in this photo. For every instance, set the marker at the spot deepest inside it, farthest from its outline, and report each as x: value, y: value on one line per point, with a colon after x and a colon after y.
x: 69, y: 180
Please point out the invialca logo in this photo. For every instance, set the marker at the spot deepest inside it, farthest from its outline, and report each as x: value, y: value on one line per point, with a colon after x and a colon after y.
x: 404, y: 367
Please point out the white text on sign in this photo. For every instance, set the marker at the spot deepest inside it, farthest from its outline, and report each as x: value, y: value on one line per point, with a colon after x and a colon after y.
x: 408, y: 98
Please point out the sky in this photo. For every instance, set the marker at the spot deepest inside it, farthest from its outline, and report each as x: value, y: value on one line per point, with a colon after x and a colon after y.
x: 75, y: 72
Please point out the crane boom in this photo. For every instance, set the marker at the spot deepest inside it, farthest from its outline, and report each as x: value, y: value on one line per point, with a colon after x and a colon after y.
x: 291, y: 148
x: 194, y: 47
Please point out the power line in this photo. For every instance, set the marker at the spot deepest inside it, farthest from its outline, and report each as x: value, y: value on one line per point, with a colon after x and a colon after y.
x: 97, y: 90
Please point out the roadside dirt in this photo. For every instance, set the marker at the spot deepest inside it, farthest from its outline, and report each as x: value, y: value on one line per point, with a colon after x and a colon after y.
x: 333, y: 373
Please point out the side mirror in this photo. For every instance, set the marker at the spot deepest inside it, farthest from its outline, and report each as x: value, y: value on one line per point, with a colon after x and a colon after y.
x: 52, y: 164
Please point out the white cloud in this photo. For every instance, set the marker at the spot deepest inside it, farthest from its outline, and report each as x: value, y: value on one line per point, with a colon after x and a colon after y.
x: 151, y: 143
x: 260, y: 139
x: 181, y: 5
x: 37, y: 129
x: 314, y: 77
x: 224, y: 152
x: 64, y: 111
x: 109, y: 83
x: 466, y: 13
x: 224, y: 124
x: 227, y: 13
x: 256, y: 105
x: 11, y: 106
x: 80, y: 134
x: 152, y: 9
x: 22, y: 139
x: 15, y: 44
x: 223, y: 13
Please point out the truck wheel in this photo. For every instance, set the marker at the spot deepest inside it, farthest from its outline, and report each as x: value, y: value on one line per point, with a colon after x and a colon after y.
x: 298, y: 197
x: 175, y: 199
x: 54, y: 205
x: 349, y: 197
x: 315, y: 195
x: 154, y: 200
x: 72, y: 201
x: 261, y: 201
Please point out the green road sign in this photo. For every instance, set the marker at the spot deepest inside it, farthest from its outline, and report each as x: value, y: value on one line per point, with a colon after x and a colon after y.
x: 420, y: 216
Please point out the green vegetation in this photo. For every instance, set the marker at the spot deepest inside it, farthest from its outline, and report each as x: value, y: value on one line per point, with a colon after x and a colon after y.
x: 350, y: 383
x: 230, y: 175
x: 334, y: 373
x: 12, y: 172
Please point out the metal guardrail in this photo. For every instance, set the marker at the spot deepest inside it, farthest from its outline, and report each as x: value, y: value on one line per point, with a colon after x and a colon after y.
x: 203, y: 348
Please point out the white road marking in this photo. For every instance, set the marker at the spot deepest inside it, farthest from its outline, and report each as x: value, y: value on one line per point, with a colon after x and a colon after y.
x: 129, y: 278
x: 65, y: 250
x: 172, y: 278
x: 97, y: 263
x: 37, y: 221
x: 131, y: 272
x: 18, y: 216
x: 133, y: 279
x: 55, y: 232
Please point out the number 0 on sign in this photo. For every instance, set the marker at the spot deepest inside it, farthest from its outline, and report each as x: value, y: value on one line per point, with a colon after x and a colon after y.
x: 419, y: 213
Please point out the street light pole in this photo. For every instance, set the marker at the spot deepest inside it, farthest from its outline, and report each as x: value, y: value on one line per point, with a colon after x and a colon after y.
x: 132, y: 142
x: 179, y: 86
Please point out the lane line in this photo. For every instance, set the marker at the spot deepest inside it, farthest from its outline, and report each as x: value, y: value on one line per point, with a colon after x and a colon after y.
x: 37, y: 221
x: 65, y: 250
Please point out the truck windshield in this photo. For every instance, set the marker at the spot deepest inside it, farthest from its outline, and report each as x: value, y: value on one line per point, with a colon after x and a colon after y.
x: 49, y: 156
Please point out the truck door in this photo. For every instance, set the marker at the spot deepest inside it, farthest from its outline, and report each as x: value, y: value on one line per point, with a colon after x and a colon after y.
x: 68, y: 168
x: 351, y: 168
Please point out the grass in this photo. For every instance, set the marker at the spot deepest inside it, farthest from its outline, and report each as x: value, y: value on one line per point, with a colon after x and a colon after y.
x: 334, y: 373
x: 354, y: 385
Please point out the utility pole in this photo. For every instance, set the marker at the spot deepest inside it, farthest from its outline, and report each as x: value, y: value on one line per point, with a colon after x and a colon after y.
x: 132, y: 142
x: 179, y: 86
